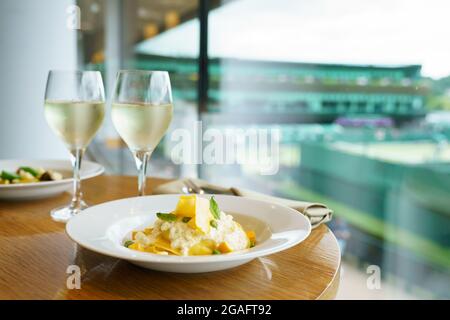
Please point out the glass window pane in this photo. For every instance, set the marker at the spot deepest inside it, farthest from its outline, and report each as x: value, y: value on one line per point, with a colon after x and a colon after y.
x: 133, y: 35
x: 352, y: 88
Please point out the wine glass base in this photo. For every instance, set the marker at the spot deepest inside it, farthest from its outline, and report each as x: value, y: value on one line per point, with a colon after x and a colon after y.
x: 64, y: 214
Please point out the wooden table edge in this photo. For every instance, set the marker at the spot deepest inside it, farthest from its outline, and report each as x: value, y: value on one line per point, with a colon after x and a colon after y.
x: 330, y: 292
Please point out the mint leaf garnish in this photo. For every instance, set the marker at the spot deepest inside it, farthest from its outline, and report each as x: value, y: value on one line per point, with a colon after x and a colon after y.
x: 166, y: 216
x: 214, y: 208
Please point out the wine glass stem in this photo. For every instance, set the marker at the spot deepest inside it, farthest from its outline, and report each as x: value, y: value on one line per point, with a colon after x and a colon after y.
x: 141, y: 158
x: 76, y: 157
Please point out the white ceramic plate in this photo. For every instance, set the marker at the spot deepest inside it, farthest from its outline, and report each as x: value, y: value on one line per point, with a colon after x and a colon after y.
x: 102, y: 229
x: 39, y: 190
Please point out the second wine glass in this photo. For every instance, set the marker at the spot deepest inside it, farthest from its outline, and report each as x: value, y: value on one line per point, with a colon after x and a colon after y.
x: 141, y: 112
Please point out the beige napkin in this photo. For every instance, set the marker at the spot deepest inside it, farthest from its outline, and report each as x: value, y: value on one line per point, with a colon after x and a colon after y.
x: 317, y: 213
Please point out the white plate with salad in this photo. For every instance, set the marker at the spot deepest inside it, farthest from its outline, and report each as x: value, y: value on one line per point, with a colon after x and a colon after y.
x: 37, y: 179
x: 188, y: 233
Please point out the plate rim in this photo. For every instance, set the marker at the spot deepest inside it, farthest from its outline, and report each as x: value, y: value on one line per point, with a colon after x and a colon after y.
x: 247, y: 254
x: 98, y: 171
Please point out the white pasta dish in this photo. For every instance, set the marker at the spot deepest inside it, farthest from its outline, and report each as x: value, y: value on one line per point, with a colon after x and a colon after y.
x: 196, y: 227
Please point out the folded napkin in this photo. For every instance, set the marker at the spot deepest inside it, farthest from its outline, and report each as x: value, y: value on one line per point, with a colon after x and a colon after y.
x: 317, y: 213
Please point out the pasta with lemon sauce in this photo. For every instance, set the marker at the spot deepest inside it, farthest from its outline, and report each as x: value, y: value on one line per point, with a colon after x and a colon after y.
x: 196, y: 227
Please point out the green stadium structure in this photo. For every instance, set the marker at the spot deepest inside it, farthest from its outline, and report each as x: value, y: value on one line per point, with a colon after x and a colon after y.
x: 402, y: 207
x: 298, y: 92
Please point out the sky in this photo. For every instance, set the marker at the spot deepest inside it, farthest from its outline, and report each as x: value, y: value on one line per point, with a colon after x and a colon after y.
x: 381, y: 32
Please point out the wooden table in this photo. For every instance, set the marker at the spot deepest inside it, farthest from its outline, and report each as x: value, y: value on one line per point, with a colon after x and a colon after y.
x: 35, y: 253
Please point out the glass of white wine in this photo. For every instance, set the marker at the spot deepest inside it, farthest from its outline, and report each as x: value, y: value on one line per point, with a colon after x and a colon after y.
x: 141, y: 112
x: 74, y: 108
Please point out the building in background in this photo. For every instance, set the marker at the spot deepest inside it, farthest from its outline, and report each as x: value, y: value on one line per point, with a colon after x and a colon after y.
x: 287, y: 92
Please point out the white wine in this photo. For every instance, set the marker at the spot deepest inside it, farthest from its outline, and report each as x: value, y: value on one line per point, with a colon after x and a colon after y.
x: 141, y: 126
x: 76, y: 122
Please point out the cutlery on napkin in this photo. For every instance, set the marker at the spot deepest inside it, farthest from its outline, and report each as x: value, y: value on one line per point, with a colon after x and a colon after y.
x: 317, y: 213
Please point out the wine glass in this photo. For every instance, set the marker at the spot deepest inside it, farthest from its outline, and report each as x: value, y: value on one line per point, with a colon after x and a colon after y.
x: 74, y: 108
x: 141, y: 112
